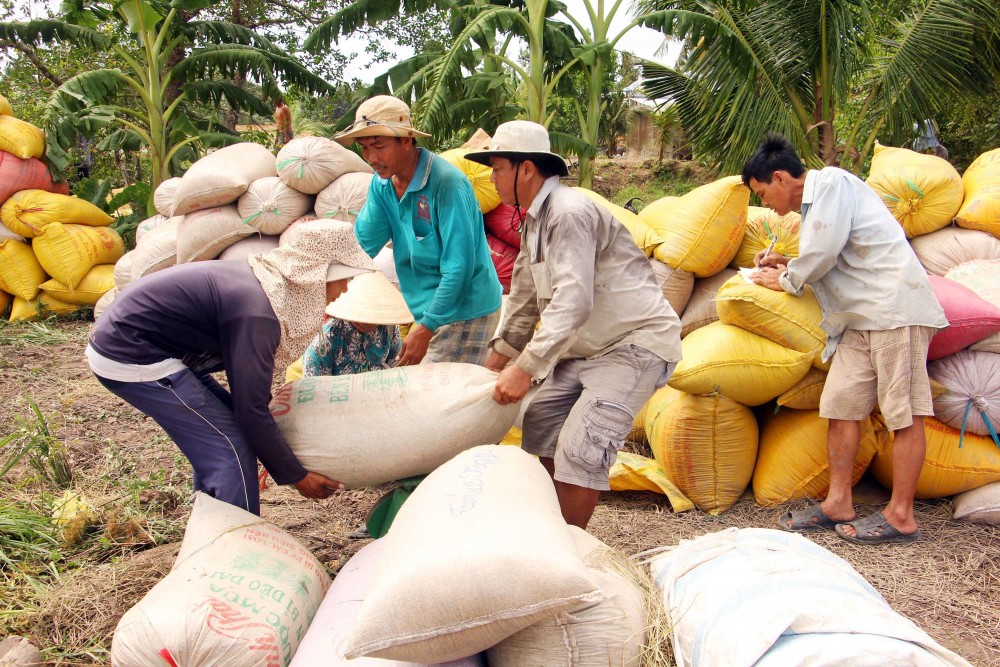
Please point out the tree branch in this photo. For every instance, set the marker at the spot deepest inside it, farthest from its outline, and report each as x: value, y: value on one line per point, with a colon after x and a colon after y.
x: 32, y: 56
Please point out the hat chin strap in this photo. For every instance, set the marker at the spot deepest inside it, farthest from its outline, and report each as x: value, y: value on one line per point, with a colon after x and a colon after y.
x: 517, y: 202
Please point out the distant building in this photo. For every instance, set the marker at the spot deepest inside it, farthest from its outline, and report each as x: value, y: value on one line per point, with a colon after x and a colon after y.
x: 643, y: 140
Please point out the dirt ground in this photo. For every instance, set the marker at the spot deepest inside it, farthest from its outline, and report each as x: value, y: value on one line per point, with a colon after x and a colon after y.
x: 947, y: 582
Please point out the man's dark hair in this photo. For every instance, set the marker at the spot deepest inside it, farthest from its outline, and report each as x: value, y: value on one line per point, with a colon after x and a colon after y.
x: 775, y: 153
x: 544, y: 169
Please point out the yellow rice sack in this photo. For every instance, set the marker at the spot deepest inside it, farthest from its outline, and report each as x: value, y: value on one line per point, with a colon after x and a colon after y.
x: 5, y: 109
x: 632, y: 472
x: 88, y: 292
x: 5, y: 301
x: 762, y: 225
x: 706, y: 445
x: 948, y: 469
x: 703, y: 229
x: 738, y: 364
x: 43, y: 306
x: 923, y: 192
x: 790, y: 321
x: 644, y: 236
x: 68, y: 252
x: 806, y: 393
x: 20, y: 138
x: 638, y: 432
x: 294, y: 371
x: 20, y: 272
x: 792, y: 460
x: 479, y: 175
x: 28, y: 212
x: 981, y: 208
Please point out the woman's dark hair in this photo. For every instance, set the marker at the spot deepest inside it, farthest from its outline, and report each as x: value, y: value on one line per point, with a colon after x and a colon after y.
x: 775, y: 153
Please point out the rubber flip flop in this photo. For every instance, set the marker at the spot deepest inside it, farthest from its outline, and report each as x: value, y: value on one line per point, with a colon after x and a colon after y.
x: 875, y: 529
x: 804, y: 520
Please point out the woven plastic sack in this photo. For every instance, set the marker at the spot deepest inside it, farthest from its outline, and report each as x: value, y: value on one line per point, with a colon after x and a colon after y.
x: 479, y: 551
x: 676, y: 284
x: 700, y: 310
x: 792, y: 461
x: 762, y: 225
x: 289, y: 234
x: 980, y: 505
x: 973, y: 396
x: 970, y: 318
x: 7, y: 234
x: 479, y: 175
x: 68, y: 252
x: 163, y: 196
x: 344, y: 198
x: 252, y: 245
x: 88, y: 291
x: 270, y: 206
x: 241, y: 593
x: 982, y: 276
x: 20, y: 272
x: 37, y: 308
x: 702, y: 230
x: 158, y: 250
x: 222, y: 176
x: 948, y: 468
x: 20, y: 138
x: 309, y: 164
x: 645, y: 237
x: 706, y: 446
x: 741, y: 365
x: 503, y: 257
x: 5, y: 301
x: 427, y: 414
x: 941, y: 251
x: 5, y: 108
x: 981, y: 207
x: 104, y: 302
x: 18, y: 174
x: 28, y: 212
x: 632, y: 472
x: 205, y: 234
x: 806, y: 393
x: 503, y: 223
x: 149, y: 223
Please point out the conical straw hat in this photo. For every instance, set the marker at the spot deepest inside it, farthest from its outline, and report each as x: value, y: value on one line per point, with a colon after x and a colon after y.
x: 371, y: 299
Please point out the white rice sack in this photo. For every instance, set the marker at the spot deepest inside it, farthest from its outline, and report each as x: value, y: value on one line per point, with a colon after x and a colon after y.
x: 943, y: 250
x: 252, y: 245
x: 222, y: 176
x: 104, y: 302
x: 309, y: 164
x: 270, y: 206
x: 794, y: 603
x: 371, y: 428
x: 124, y: 270
x: 700, y: 309
x: 205, y: 234
x: 676, y: 284
x: 6, y: 233
x: 478, y: 552
x: 980, y: 505
x: 289, y: 233
x: 163, y: 196
x: 149, y: 223
x: 344, y: 198
x: 973, y: 382
x: 158, y: 250
x: 241, y: 593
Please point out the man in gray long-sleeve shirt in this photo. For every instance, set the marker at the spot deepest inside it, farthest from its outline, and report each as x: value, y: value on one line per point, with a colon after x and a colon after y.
x: 608, y: 339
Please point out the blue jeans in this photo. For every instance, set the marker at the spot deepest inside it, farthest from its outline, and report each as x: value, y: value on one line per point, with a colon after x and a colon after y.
x: 197, y: 413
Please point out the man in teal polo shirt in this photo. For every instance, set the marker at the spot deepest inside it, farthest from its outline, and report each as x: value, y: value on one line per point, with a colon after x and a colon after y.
x: 427, y: 209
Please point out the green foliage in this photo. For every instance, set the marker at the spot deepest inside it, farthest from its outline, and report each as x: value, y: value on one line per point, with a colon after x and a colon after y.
x: 26, y: 535
x: 31, y: 440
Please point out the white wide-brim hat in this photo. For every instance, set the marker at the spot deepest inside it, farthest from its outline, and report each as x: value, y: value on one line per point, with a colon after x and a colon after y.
x: 380, y: 116
x: 371, y: 299
x: 522, y: 140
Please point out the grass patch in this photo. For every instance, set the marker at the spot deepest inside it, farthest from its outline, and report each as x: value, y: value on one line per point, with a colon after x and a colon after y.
x: 31, y: 440
x: 22, y: 334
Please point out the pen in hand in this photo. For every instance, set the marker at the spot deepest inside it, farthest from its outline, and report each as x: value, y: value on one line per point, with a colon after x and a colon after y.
x: 774, y: 239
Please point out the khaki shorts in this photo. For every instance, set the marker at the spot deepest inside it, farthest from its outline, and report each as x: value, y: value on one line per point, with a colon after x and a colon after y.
x: 585, y: 408
x: 885, y: 368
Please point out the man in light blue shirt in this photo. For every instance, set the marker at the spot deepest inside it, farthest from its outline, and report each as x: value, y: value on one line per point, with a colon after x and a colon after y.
x: 427, y: 209
x: 879, y: 314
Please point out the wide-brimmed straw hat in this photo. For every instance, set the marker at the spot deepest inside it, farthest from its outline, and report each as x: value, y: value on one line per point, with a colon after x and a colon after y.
x: 380, y: 116
x: 522, y: 140
x: 371, y: 299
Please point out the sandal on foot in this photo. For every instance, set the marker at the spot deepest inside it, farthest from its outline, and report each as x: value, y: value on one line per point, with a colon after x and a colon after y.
x: 810, y: 518
x: 875, y: 529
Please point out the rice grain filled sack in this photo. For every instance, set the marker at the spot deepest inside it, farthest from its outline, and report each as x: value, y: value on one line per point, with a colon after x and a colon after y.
x: 973, y: 396
x: 18, y: 174
x: 806, y: 393
x: 792, y: 461
x: 645, y: 237
x: 479, y: 176
x: 632, y: 472
x: 344, y: 198
x: 700, y: 310
x: 5, y: 301
x: 923, y: 192
x: 205, y: 234
x: 948, y: 469
x: 270, y: 206
x: 242, y: 593
x: 20, y: 138
x: 158, y: 250
x: 309, y: 164
x: 43, y: 306
x: 676, y: 285
x: 981, y: 207
x: 122, y: 273
x: 982, y: 276
x: 763, y: 224
x: 68, y: 252
x: 943, y: 250
x: 104, y: 302
x: 706, y: 445
x: 28, y: 212
x: 503, y: 257
x: 426, y: 415
x: 323, y: 643
x: 20, y: 272
x: 289, y: 234
x: 252, y: 245
x: 163, y: 196
x: 790, y: 321
x: 504, y: 222
x: 740, y: 365
x: 90, y: 288
x: 980, y: 505
x: 222, y: 176
x: 478, y: 552
x: 5, y: 108
x: 794, y: 603
x: 7, y: 234
x: 702, y: 230
x: 148, y: 224
x: 970, y: 318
